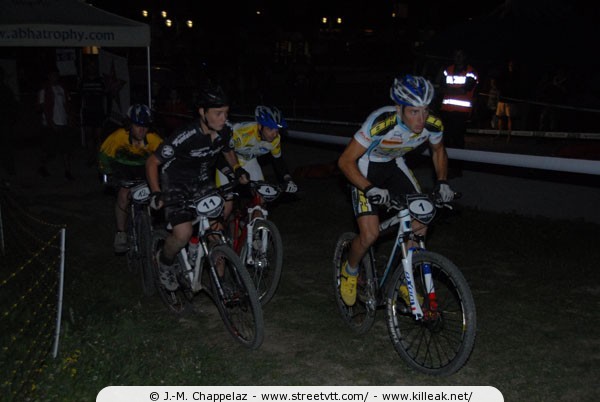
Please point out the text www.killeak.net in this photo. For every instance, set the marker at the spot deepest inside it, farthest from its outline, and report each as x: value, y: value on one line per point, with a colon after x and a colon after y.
x: 337, y: 396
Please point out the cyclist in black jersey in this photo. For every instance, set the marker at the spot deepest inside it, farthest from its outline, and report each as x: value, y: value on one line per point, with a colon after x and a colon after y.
x: 374, y: 164
x: 187, y: 166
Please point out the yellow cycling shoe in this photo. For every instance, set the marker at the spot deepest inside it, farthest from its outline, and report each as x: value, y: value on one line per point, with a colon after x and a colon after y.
x: 403, y: 290
x: 348, y: 286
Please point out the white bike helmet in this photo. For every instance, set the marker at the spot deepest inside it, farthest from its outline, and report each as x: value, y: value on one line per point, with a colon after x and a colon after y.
x: 412, y: 91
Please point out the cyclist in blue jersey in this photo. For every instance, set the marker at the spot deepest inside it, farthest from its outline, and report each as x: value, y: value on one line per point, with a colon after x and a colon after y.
x: 374, y: 164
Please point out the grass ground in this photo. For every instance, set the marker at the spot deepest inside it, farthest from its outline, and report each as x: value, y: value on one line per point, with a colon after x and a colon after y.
x: 535, y: 283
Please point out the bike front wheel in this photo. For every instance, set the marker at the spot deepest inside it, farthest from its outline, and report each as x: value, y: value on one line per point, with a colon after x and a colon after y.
x: 441, y: 342
x: 144, y: 230
x: 361, y: 315
x: 267, y: 259
x: 134, y: 263
x: 235, y: 296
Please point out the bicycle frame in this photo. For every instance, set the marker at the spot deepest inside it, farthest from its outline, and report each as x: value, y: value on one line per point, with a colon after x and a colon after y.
x: 245, y: 226
x: 403, y: 219
x: 194, y: 273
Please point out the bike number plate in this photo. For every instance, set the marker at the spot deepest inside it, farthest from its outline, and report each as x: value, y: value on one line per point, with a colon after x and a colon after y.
x: 267, y: 191
x: 140, y: 193
x: 421, y: 208
x: 210, y: 206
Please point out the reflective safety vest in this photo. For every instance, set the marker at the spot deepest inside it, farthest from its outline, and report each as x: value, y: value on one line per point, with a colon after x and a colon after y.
x: 456, y: 96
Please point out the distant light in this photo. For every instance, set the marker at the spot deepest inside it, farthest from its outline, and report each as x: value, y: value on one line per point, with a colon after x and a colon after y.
x: 169, y: 23
x: 91, y: 50
x: 163, y: 14
x: 393, y: 15
x: 189, y: 23
x: 339, y: 20
x: 324, y: 20
x: 258, y: 12
x: 145, y: 13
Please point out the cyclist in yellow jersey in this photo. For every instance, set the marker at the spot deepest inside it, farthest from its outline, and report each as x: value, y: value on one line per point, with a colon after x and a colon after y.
x: 123, y: 155
x: 254, y: 139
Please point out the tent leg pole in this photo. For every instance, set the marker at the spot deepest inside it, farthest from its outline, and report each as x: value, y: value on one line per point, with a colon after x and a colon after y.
x: 149, y: 78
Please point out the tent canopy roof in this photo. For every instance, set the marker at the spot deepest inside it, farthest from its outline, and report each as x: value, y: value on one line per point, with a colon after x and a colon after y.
x: 67, y: 23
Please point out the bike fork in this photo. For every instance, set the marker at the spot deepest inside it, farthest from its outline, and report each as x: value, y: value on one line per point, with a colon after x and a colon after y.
x: 410, y: 284
x: 250, y: 233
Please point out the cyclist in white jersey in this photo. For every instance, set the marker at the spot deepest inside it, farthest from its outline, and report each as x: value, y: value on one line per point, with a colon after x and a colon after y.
x: 374, y: 164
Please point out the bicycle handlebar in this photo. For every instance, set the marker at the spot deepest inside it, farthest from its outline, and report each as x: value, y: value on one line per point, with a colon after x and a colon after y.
x: 399, y: 203
x: 112, y: 181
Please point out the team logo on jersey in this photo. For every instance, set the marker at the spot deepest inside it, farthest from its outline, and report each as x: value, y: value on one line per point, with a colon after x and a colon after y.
x: 382, y: 125
x: 202, y: 152
x: 363, y: 135
x: 391, y: 142
x: 167, y: 152
x: 182, y: 137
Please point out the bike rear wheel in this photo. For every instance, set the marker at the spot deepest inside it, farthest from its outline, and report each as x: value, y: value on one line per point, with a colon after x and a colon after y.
x: 441, y: 342
x: 361, y: 316
x: 144, y: 230
x: 265, y: 271
x: 176, y: 301
x: 235, y: 297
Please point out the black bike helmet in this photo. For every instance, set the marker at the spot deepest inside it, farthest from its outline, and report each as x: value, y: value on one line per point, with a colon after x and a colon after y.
x: 213, y: 96
x: 140, y: 115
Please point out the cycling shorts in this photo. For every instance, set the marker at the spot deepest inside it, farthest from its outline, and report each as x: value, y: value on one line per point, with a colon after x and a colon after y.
x: 177, y: 212
x: 393, y: 176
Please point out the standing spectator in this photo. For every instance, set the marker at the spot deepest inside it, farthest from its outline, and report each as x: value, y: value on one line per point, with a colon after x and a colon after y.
x: 508, y: 96
x: 492, y: 103
x: 57, y: 134
x: 458, y: 90
x: 93, y: 110
x: 8, y: 118
x: 553, y: 93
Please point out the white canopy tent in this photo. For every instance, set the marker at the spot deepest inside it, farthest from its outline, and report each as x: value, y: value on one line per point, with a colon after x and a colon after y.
x: 68, y: 23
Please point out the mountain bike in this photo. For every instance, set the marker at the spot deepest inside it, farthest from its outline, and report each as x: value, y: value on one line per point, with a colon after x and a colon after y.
x: 209, y: 264
x: 429, y: 309
x: 139, y: 230
x: 257, y: 240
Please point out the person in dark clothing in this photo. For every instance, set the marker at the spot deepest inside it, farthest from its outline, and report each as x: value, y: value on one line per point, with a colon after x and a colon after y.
x: 457, y: 85
x: 8, y: 118
x: 93, y: 110
x: 508, y: 95
x: 54, y: 102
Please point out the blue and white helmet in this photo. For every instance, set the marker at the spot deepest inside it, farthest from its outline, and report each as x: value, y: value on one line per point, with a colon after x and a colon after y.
x: 269, y: 117
x: 140, y: 115
x: 412, y: 91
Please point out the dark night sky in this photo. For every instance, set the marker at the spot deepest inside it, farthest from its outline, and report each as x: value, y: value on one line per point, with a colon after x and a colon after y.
x: 299, y: 15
